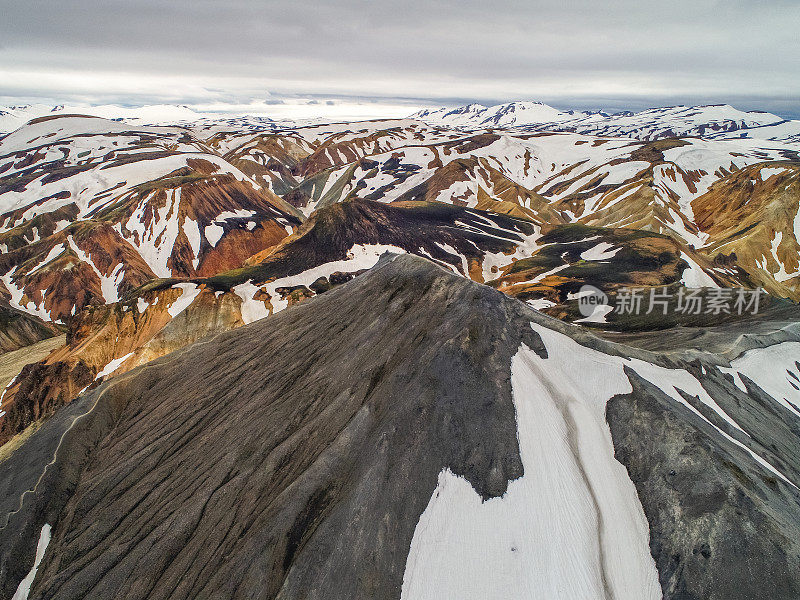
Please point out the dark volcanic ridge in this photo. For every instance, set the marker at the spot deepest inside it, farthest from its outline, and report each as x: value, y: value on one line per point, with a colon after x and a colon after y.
x: 294, y: 457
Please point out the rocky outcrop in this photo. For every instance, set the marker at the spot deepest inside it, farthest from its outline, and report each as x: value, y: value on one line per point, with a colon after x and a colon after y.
x: 718, y: 524
x: 40, y: 389
x: 165, y: 316
x: 448, y: 234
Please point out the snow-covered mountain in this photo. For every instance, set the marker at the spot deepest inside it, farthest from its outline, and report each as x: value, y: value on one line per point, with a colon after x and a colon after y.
x: 234, y: 119
x: 678, y: 465
x: 720, y: 121
x: 174, y: 202
x: 13, y: 117
x: 91, y: 209
x: 463, y: 115
x: 710, y: 121
x: 502, y: 115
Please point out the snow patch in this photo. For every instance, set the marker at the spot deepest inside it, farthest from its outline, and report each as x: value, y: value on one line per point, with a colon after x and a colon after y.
x: 572, y: 526
x: 540, y: 303
x: 24, y: 587
x: 214, y: 233
x: 768, y: 172
x: 566, y: 529
x: 251, y: 309
x: 192, y: 231
x: 109, y: 284
x: 601, y: 251
x: 17, y: 294
x: 598, y: 314
x: 694, y: 276
x: 769, y: 369
x: 359, y: 257
x: 450, y: 250
x: 189, y: 292
x: 113, y: 366
x: 55, y: 251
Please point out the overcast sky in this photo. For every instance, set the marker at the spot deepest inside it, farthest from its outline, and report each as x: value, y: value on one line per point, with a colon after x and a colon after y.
x: 391, y: 57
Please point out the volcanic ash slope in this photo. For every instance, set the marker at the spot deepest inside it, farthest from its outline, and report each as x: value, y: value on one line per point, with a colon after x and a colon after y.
x: 411, y: 434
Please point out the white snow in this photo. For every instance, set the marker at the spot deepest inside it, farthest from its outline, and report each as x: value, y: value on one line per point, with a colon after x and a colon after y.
x: 8, y: 387
x: 768, y: 172
x: 780, y: 274
x: 694, y: 276
x: 569, y: 528
x: 192, y: 231
x: 553, y: 271
x: 239, y: 213
x: 17, y: 293
x: 359, y: 257
x: 55, y: 251
x: 35, y: 237
x: 598, y: 314
x: 214, y: 233
x: 500, y: 115
x: 109, y: 284
x: 572, y: 527
x: 24, y: 587
x: 601, y: 251
x: 152, y: 114
x: 715, y: 120
x: 796, y: 225
x: 669, y: 381
x: 252, y: 310
x: 462, y: 190
x: 450, y: 250
x: 679, y: 226
x: 540, y: 303
x: 494, y: 262
x: 113, y: 365
x: 189, y: 292
x: 767, y: 368
x: 156, y: 241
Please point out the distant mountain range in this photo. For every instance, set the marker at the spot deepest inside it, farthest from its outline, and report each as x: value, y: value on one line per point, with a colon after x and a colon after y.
x: 715, y: 121
x: 719, y: 121
x: 12, y: 117
x: 501, y: 115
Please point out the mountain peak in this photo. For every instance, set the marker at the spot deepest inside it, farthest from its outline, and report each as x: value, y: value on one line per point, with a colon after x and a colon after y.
x: 650, y: 123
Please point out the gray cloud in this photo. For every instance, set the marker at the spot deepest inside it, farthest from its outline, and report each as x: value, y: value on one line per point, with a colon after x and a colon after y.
x: 614, y: 53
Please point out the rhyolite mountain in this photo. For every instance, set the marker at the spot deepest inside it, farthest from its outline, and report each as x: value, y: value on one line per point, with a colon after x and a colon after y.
x: 272, y: 411
x: 412, y: 434
x: 138, y: 240
x: 546, y: 266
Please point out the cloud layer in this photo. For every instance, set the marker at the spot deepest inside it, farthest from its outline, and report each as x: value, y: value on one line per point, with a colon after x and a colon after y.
x: 584, y: 53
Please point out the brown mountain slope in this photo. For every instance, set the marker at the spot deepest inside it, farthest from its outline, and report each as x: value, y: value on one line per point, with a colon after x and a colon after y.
x: 753, y: 213
x: 329, y: 249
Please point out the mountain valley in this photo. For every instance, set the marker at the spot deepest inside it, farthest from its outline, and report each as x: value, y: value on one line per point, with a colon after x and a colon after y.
x: 352, y: 359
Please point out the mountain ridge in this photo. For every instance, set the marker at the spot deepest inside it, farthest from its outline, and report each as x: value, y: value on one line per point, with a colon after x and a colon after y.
x: 719, y: 120
x: 371, y: 454
x: 139, y: 240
